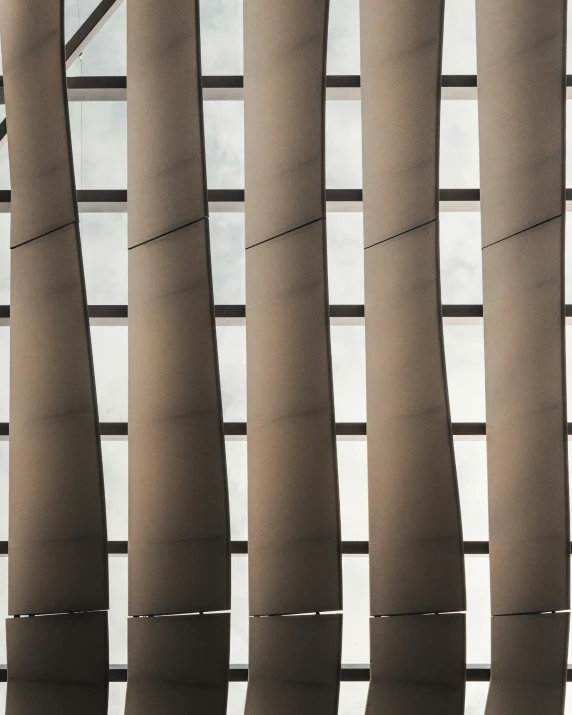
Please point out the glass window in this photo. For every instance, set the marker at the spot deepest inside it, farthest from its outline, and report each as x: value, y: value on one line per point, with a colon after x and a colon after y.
x: 465, y: 358
x: 348, y: 362
x: 460, y: 38
x: 343, y: 37
x: 345, y: 258
x: 471, y: 459
x: 459, y: 157
x: 460, y: 257
x: 343, y: 145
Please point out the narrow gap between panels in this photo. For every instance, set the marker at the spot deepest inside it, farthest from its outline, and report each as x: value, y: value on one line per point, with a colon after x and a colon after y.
x: 524, y: 230
x: 58, y: 613
x: 415, y: 613
x: 285, y: 233
x: 168, y: 233
x: 409, y: 230
x: 300, y: 613
x: 42, y: 235
x: 176, y: 615
x: 528, y: 613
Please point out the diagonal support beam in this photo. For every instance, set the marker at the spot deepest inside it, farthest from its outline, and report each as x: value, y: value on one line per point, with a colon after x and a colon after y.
x: 76, y: 45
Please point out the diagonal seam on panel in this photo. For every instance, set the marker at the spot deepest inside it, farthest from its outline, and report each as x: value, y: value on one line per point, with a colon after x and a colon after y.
x: 76, y: 45
x: 43, y: 235
x: 168, y: 233
x: 285, y: 233
x: 524, y: 230
x: 402, y: 233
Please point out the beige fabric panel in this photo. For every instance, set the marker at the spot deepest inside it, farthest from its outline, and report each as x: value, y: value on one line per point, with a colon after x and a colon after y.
x: 57, y: 530
x: 293, y: 508
x: 528, y: 673
x: 294, y: 665
x: 167, y: 179
x: 417, y: 665
x: 401, y: 92
x: 284, y: 112
x: 179, y: 534
x: 57, y: 665
x: 522, y: 84
x: 526, y: 421
x: 415, y: 536
x: 178, y: 665
x: 41, y: 170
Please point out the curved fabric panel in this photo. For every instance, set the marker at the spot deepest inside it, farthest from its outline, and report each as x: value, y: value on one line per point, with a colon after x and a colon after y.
x: 179, y: 534
x: 178, y: 665
x: 58, y: 536
x: 294, y: 665
x: 417, y: 665
x: 57, y: 665
x: 415, y: 545
x: 284, y: 109
x: 401, y: 91
x: 526, y: 421
x: 293, y: 508
x: 528, y: 673
x: 41, y: 172
x: 167, y: 180
x: 522, y: 83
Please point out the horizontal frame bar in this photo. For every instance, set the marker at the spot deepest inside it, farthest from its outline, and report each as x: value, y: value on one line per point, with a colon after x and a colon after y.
x: 117, y: 315
x: 348, y: 315
x: 231, y: 88
x: 232, y: 200
x: 240, y: 548
x: 345, y: 431
x: 349, y: 673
